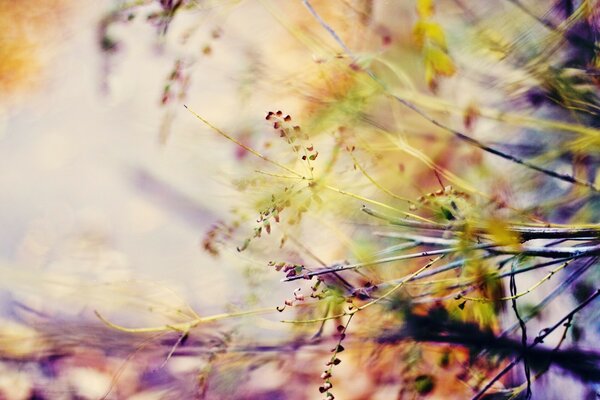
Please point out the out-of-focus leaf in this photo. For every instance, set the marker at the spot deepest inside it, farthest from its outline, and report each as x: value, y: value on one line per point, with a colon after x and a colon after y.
x: 437, y: 63
x: 432, y: 31
x: 425, y: 8
x: 500, y: 233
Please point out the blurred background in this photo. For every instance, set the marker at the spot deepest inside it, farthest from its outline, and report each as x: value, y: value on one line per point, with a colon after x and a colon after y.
x: 98, y: 212
x: 115, y: 199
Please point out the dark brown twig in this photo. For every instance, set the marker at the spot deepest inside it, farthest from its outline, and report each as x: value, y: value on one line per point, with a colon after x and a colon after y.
x: 539, y: 339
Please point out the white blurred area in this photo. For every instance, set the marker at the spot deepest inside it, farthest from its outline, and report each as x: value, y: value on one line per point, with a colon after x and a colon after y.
x: 96, y: 212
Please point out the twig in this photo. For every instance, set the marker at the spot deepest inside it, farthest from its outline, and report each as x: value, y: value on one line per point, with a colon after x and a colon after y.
x: 525, y: 232
x: 329, y: 29
x: 539, y: 339
x: 457, y: 264
x: 401, y: 283
x: 564, y: 284
x: 375, y: 183
x: 513, y: 293
x: 494, y: 248
x: 474, y: 142
x: 180, y: 340
x: 424, y: 240
x: 387, y: 260
x: 555, y: 350
x: 512, y: 274
x: 551, y: 252
x: 374, y: 301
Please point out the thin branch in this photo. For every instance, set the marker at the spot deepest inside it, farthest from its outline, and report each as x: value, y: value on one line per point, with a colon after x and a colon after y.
x: 424, y: 240
x: 513, y: 293
x: 374, y: 301
x: 474, y: 142
x: 386, y: 260
x: 397, y: 248
x: 539, y: 339
x: 564, y: 284
x: 180, y: 340
x: 183, y: 326
x: 525, y: 232
x: 494, y: 248
x: 516, y: 295
x: 551, y: 252
x: 401, y: 283
x: 328, y: 28
x: 457, y: 264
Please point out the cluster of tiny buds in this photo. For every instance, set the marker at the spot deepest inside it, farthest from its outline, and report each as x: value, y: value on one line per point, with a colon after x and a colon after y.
x: 326, y: 375
x: 289, y: 269
x: 264, y: 220
x: 282, y: 124
x: 278, y: 114
x: 279, y: 121
x: 298, y: 297
x: 446, y: 191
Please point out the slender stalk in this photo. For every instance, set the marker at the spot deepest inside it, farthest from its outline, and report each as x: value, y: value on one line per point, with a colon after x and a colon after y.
x: 184, y: 326
x: 242, y: 145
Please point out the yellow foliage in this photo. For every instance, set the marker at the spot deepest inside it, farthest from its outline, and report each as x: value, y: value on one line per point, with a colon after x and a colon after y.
x: 437, y: 63
x: 485, y: 278
x: 500, y: 233
x: 493, y: 43
x: 430, y: 37
x: 425, y: 8
x: 432, y: 31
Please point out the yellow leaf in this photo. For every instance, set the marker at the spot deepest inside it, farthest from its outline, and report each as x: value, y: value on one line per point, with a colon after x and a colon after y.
x: 425, y: 8
x: 501, y: 234
x: 437, y: 63
x: 425, y: 30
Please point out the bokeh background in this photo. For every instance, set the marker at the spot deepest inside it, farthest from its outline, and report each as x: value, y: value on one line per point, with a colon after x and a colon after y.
x: 109, y: 186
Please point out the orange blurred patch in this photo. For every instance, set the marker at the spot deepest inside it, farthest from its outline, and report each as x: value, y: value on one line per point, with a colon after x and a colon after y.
x: 27, y: 25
